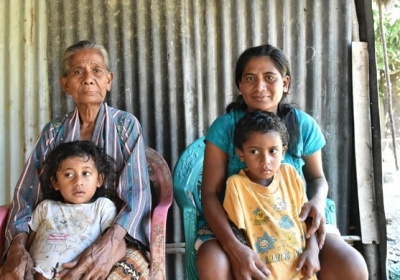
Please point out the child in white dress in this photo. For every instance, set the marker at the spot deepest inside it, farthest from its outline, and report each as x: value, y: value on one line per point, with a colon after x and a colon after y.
x: 76, y: 185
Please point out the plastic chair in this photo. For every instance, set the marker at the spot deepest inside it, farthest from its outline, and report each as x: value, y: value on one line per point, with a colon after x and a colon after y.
x: 187, y: 178
x: 161, y: 185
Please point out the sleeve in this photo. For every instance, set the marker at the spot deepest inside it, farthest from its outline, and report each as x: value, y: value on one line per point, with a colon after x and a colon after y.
x: 134, y: 184
x: 38, y: 215
x: 27, y: 191
x: 232, y: 204
x: 311, y: 134
x: 108, y: 212
x: 220, y: 133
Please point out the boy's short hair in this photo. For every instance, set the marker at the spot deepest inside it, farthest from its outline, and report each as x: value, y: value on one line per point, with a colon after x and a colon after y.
x: 259, y: 121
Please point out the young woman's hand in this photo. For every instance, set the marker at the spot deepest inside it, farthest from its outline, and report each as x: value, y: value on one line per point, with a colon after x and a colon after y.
x: 246, y: 265
x: 315, y: 209
x: 19, y: 263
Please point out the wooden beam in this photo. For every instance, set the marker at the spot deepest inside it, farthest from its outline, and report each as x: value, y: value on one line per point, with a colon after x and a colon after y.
x: 363, y: 144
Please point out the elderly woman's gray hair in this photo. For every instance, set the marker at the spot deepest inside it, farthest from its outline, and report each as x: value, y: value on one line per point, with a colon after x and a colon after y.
x: 81, y: 45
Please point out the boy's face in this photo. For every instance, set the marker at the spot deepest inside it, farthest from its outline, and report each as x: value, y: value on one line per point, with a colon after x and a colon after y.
x: 77, y: 180
x: 262, y: 153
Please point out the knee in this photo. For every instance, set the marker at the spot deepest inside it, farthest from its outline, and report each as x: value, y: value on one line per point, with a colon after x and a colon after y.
x: 212, y: 262
x: 341, y: 261
x: 356, y: 266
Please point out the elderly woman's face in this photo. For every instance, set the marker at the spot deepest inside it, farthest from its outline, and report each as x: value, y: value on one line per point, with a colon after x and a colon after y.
x: 88, y: 80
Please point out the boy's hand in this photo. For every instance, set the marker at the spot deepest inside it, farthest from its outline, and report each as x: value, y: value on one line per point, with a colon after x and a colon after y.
x: 308, y: 264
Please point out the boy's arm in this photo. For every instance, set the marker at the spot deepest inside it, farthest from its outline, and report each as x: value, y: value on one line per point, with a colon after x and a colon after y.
x: 308, y: 262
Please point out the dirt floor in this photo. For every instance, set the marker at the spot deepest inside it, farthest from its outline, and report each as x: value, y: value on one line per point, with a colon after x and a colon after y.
x: 391, y: 190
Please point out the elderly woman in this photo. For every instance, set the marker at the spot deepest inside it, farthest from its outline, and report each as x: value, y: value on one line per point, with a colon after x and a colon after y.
x: 87, y: 78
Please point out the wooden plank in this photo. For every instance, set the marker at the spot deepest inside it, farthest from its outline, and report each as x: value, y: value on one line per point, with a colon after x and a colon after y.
x: 363, y: 144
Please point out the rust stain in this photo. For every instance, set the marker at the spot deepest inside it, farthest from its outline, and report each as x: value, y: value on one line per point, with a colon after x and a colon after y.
x: 33, y: 19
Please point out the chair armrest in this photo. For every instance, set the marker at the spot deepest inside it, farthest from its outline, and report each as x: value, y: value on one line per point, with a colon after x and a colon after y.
x: 160, y: 175
x: 3, y: 223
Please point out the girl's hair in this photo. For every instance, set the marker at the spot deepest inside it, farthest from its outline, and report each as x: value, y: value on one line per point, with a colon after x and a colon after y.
x: 81, y: 45
x: 259, y: 121
x: 104, y: 164
x: 285, y: 111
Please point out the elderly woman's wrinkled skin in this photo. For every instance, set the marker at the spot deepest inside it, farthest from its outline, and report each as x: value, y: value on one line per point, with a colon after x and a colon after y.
x: 87, y: 82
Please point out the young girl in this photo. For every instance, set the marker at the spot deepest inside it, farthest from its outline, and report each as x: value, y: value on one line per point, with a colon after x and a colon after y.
x: 265, y: 199
x: 77, y: 188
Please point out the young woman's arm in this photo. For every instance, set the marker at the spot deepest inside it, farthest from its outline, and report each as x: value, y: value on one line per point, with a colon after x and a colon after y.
x: 317, y: 191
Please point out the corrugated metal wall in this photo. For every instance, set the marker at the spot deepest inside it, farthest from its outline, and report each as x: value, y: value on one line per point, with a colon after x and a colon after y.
x: 24, y: 90
x: 173, y: 62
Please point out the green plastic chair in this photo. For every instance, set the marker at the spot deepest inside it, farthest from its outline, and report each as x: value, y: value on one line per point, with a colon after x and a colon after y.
x: 187, y: 178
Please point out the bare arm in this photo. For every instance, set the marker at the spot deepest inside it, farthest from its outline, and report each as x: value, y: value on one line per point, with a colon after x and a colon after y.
x: 317, y: 190
x: 244, y: 262
x: 214, y: 169
x: 308, y: 261
x: 19, y: 263
x: 31, y: 237
x: 120, y: 253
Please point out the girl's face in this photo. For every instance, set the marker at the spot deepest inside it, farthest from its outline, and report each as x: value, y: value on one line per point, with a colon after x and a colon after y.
x: 262, y: 85
x: 77, y: 180
x: 262, y: 153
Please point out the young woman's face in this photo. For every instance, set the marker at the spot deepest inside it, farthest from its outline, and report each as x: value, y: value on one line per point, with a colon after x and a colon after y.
x: 77, y: 180
x: 88, y: 79
x: 262, y: 85
x: 262, y: 153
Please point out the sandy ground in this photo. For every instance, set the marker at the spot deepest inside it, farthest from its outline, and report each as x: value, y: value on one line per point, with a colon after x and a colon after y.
x: 391, y: 191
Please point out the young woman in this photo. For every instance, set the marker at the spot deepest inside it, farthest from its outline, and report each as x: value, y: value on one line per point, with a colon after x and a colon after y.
x: 262, y: 76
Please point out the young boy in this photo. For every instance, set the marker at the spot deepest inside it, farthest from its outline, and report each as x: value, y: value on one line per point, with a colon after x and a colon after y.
x: 265, y: 199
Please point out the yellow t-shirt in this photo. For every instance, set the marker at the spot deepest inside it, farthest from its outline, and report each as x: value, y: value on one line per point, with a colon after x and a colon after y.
x: 270, y: 218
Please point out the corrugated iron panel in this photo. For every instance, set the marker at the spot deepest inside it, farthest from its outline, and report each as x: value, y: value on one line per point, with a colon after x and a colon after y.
x: 173, y: 62
x: 24, y: 92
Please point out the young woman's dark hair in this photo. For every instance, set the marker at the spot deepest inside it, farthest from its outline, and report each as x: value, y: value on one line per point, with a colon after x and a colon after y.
x: 104, y: 164
x: 285, y: 111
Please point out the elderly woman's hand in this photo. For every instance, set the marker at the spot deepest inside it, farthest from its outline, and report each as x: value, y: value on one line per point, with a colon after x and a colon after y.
x: 97, y: 260
x: 315, y: 209
x: 19, y: 263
